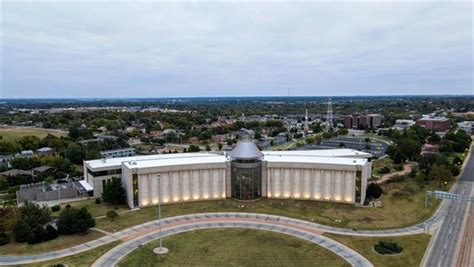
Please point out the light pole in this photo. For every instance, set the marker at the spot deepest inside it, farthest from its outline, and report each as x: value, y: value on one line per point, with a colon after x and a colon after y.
x: 160, y: 250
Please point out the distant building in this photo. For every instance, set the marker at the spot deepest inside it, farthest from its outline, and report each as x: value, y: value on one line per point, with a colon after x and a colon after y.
x: 40, y: 192
x: 467, y: 126
x: 45, y: 151
x: 14, y: 172
x: 118, y: 153
x: 403, y: 124
x: 439, y: 124
x: 362, y: 121
x: 26, y: 154
x: 5, y: 160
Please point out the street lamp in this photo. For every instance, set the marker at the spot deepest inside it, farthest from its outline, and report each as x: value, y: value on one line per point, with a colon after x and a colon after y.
x: 160, y: 250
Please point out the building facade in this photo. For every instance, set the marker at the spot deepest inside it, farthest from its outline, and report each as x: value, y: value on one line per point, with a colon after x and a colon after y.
x: 245, y: 173
x: 440, y: 124
x: 362, y: 121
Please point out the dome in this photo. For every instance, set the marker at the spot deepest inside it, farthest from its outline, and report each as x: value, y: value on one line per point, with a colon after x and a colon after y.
x: 245, y: 150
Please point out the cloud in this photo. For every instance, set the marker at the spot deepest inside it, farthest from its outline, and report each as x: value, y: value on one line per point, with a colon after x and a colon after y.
x: 225, y: 49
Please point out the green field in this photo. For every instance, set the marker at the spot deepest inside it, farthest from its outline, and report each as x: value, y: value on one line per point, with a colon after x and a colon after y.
x: 82, y: 259
x: 15, y: 133
x: 414, y: 247
x: 233, y: 247
x: 63, y: 241
x: 396, y: 211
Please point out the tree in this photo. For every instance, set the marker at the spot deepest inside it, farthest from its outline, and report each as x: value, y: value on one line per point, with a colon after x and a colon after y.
x: 72, y: 221
x: 75, y: 153
x: 208, y: 148
x: 220, y: 146
x: 193, y: 148
x: 112, y: 215
x: 50, y: 233
x: 7, y: 147
x: 30, y: 218
x: 29, y: 142
x: 374, y: 191
x: 4, y: 238
x: 113, y: 192
x: 440, y: 173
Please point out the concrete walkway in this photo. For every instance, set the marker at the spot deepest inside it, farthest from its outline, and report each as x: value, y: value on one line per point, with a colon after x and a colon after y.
x: 113, y: 256
x: 139, y: 230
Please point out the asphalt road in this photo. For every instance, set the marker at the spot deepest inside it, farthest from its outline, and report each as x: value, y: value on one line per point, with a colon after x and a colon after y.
x: 443, y: 249
x: 113, y: 256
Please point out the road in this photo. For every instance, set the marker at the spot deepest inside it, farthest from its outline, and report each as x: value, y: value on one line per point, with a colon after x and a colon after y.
x: 193, y: 223
x: 136, y: 231
x: 443, y: 250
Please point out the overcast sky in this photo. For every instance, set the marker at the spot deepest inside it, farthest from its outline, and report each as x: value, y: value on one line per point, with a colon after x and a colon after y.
x: 235, y: 49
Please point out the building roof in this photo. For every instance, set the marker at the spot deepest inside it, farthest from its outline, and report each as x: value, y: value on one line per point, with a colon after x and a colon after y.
x: 115, y: 163
x: 345, y: 152
x: 42, y: 168
x: 189, y: 160
x: 245, y: 150
x: 15, y: 172
x: 315, y: 160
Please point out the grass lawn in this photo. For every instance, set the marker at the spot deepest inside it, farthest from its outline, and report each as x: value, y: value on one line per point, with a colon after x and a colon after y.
x: 62, y: 242
x: 234, y: 247
x: 82, y: 259
x: 396, y: 211
x: 414, y: 247
x: 95, y: 209
x: 380, y: 163
x: 15, y: 133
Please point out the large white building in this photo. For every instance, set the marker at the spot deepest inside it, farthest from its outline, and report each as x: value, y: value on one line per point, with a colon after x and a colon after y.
x: 245, y: 173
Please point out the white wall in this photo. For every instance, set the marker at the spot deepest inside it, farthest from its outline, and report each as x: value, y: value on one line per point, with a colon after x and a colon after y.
x: 182, y: 185
x: 308, y: 183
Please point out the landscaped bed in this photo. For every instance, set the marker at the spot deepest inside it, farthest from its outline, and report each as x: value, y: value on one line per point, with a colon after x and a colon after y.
x: 234, y: 247
x: 414, y: 247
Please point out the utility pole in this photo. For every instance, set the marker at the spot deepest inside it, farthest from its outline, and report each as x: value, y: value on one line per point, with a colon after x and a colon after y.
x: 160, y: 250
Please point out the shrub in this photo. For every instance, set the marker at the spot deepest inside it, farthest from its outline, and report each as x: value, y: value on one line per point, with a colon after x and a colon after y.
x: 4, y: 238
x: 387, y: 247
x: 411, y: 188
x: 384, y: 170
x: 374, y: 191
x: 113, y: 192
x: 72, y: 221
x: 98, y: 200
x: 112, y: 215
x: 20, y: 231
x: 36, y: 235
x: 50, y: 233
x: 56, y: 208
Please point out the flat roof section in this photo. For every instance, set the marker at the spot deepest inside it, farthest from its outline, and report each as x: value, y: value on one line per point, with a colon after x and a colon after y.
x: 316, y: 160
x: 321, y: 153
x: 116, y: 163
x: 174, y: 162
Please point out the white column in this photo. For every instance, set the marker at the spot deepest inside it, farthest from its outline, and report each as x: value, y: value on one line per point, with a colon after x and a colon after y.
x: 196, y: 185
x: 222, y: 177
x: 186, y: 190
x: 286, y: 183
x: 165, y: 185
x: 306, y: 185
x: 338, y: 186
x: 205, y: 184
x: 154, y: 189
x: 276, y: 182
x: 350, y: 187
x: 175, y: 185
x: 216, y: 193
x: 317, y: 184
x: 296, y: 183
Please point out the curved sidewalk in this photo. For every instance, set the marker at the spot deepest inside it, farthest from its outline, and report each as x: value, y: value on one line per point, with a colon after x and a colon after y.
x: 136, y: 231
x: 113, y: 256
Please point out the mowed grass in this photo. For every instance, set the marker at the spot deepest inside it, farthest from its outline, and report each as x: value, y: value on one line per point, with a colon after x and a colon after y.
x: 15, y: 133
x: 414, y: 247
x: 396, y: 211
x: 95, y: 209
x: 82, y: 259
x: 62, y: 242
x: 233, y: 247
